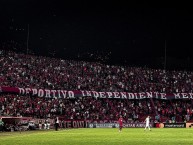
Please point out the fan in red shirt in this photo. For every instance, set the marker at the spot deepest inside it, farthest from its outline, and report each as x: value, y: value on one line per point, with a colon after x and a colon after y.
x: 120, y: 123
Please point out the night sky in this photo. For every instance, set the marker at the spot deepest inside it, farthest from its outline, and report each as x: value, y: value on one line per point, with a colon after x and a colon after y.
x: 110, y: 32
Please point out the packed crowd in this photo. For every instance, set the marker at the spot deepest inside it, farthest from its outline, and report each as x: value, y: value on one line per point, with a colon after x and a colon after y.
x: 175, y: 110
x: 20, y: 70
x: 89, y: 108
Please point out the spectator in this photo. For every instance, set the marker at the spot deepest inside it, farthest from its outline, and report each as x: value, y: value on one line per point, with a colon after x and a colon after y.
x: 1, y: 124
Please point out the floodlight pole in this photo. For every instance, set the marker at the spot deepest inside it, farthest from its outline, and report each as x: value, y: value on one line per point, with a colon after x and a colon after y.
x: 165, y: 57
x: 27, y: 38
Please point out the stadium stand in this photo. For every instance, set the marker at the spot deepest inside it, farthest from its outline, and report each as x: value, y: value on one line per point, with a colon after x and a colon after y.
x: 21, y: 70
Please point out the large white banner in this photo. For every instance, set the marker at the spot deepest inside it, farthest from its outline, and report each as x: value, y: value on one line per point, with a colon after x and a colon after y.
x: 68, y: 94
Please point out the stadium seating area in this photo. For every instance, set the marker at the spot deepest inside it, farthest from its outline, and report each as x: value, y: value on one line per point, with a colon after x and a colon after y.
x: 43, y: 72
x: 89, y: 108
x: 20, y: 70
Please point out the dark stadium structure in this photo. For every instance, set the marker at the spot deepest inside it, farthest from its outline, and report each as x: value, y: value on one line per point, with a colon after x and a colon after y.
x: 113, y: 33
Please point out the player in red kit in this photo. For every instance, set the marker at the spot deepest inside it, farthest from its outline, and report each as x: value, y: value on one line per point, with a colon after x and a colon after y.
x: 120, y: 123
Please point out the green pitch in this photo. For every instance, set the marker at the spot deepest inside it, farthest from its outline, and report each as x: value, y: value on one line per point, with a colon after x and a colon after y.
x: 107, y: 136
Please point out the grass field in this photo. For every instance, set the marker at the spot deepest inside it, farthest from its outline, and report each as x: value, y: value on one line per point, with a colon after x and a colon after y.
x: 101, y: 136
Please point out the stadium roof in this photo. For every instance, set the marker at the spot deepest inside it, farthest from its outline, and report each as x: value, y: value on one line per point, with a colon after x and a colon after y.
x: 109, y: 32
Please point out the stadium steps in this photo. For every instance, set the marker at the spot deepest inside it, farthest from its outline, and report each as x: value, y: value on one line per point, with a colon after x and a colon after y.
x: 152, y: 102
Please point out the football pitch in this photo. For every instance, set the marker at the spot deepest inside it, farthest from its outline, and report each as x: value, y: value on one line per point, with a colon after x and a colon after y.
x: 100, y: 136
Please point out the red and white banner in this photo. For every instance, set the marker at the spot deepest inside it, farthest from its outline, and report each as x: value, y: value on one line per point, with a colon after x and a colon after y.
x: 66, y: 94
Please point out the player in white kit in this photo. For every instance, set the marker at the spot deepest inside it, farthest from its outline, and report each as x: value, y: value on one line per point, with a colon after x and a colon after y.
x: 147, y: 121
